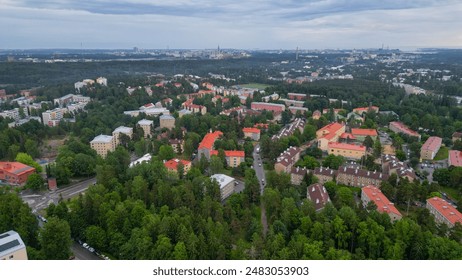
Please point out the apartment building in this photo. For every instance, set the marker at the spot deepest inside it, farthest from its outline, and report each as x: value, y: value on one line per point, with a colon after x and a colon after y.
x: 172, y: 165
x: 287, y: 159
x: 325, y: 174
x: 374, y: 194
x: 233, y: 158
x: 329, y: 133
x: 102, y: 144
x: 227, y: 184
x: 273, y: 107
x: 361, y: 133
x: 399, y: 127
x: 167, y: 121
x: 359, y: 177
x: 121, y: 130
x: 443, y: 211
x: 430, y: 148
x: 177, y: 145
x: 296, y: 96
x: 362, y: 110
x: 316, y: 115
x: 455, y: 158
x: 290, y: 129
x: 12, y: 247
x: 252, y: 133
x: 297, y: 174
x: 318, y: 195
x: 146, y: 125
x: 53, y: 117
x: 349, y: 151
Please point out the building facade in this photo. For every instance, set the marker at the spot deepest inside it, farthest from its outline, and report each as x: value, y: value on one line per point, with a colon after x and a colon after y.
x: 287, y: 159
x: 443, y: 212
x: 12, y: 247
x: 15, y: 173
x: 329, y: 133
x: 167, y: 121
x: 359, y: 177
x: 252, y: 133
x: 172, y: 165
x: 102, y: 144
x: 227, y: 184
x: 349, y: 151
x: 146, y: 125
x: 374, y: 194
x: 273, y: 107
x: 430, y: 148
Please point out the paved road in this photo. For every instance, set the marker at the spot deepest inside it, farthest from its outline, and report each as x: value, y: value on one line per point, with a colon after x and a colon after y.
x: 81, y: 253
x: 40, y: 201
x: 260, y: 172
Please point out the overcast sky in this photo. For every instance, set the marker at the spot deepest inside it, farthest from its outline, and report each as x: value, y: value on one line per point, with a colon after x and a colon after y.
x: 250, y: 24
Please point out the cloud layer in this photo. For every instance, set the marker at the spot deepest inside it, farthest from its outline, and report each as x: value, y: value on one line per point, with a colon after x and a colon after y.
x: 260, y: 24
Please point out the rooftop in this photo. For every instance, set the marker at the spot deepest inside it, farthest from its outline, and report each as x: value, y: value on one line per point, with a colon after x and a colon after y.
x: 250, y: 130
x: 145, y: 158
x: 364, y: 131
x: 445, y: 209
x: 145, y: 122
x: 404, y: 128
x: 102, y: 139
x: 10, y: 242
x: 317, y: 193
x: 288, y: 156
x: 455, y: 158
x: 15, y: 167
x: 166, y: 117
x: 209, y: 139
x: 362, y: 173
x: 432, y: 144
x: 123, y: 129
x: 222, y: 179
x: 345, y: 146
x: 380, y: 200
x: 173, y: 163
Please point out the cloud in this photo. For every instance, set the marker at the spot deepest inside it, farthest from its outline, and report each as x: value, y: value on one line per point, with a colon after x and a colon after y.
x: 238, y: 24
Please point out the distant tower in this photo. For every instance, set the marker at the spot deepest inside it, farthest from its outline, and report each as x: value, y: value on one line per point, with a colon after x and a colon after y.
x: 218, y: 49
x: 296, y: 54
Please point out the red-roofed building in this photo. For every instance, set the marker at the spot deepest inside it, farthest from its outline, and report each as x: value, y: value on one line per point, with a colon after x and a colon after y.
x: 362, y: 110
x: 296, y: 96
x: 261, y: 125
x: 372, y: 193
x: 329, y: 133
x: 287, y: 159
x: 430, y: 148
x: 317, y: 193
x: 206, y: 145
x: 399, y: 127
x: 15, y: 173
x: 362, y: 133
x: 347, y: 136
x: 233, y: 158
x: 252, y: 133
x: 189, y: 105
x: 172, y: 165
x: 349, y: 151
x: 455, y: 158
x: 443, y: 211
x: 260, y: 106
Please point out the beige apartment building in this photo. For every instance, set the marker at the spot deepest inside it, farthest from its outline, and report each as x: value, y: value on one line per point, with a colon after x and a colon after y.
x: 121, y: 130
x: 12, y: 247
x: 167, y: 121
x: 146, y: 125
x: 102, y: 144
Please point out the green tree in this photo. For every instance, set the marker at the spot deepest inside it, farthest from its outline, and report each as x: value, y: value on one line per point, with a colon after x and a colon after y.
x: 166, y: 152
x: 35, y: 182
x: 55, y: 239
x: 216, y: 165
x: 333, y: 161
x: 31, y: 148
x: 27, y: 160
x: 368, y: 142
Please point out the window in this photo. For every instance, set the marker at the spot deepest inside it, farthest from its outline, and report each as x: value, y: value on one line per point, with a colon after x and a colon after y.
x: 10, y: 257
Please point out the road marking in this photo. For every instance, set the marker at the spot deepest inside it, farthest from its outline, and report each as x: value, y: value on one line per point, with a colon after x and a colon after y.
x: 76, y: 192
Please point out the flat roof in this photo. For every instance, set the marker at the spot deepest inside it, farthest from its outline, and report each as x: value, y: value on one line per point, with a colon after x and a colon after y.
x: 222, y: 179
x: 145, y: 122
x: 10, y: 242
x: 123, y: 129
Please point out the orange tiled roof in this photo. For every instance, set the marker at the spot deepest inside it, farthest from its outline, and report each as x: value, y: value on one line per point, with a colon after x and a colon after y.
x: 250, y: 130
x: 364, y: 131
x: 345, y: 146
x: 383, y: 204
x: 209, y: 139
x: 15, y: 167
x: 173, y: 163
x: 445, y: 209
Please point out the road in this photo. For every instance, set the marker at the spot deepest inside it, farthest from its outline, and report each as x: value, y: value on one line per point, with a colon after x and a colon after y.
x: 260, y: 172
x: 81, y: 253
x: 40, y: 201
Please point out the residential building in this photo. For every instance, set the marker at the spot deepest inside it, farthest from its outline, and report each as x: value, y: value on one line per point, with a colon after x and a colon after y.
x: 167, y: 121
x: 363, y: 110
x: 12, y: 247
x: 268, y: 98
x: 145, y: 158
x: 53, y: 117
x: 102, y: 81
x: 194, y: 108
x: 399, y: 127
x: 325, y: 174
x: 316, y: 115
x: 374, y: 194
x: 443, y: 211
x: 290, y: 129
x: 102, y: 144
x: 287, y: 159
x: 226, y: 183
x: 362, y: 133
x: 329, y: 133
x: 184, y: 112
x: 456, y: 136
x: 233, y: 158
x: 430, y: 148
x: 455, y: 158
x: 294, y: 109
x: 317, y: 193
x: 177, y: 145
x: 206, y: 145
x: 273, y: 107
x: 359, y: 177
x: 392, y: 165
x: 349, y: 151
x: 239, y: 110
x: 252, y: 133
x: 146, y: 125
x: 297, y: 174
x: 296, y: 96
x: 172, y: 165
x: 128, y: 131
x: 15, y: 173
x: 70, y: 98
x: 13, y: 114
x: 294, y: 103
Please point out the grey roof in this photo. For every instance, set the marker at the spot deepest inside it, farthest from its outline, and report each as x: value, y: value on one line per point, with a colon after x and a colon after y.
x: 102, y: 139
x: 10, y: 242
x: 145, y: 122
x: 222, y: 179
x: 123, y: 129
x: 166, y: 117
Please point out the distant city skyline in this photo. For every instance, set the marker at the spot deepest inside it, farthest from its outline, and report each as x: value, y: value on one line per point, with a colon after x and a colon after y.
x: 252, y: 24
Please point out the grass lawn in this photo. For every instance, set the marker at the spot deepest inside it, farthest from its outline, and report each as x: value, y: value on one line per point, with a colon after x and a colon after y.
x: 452, y: 193
x: 442, y: 154
x: 255, y: 85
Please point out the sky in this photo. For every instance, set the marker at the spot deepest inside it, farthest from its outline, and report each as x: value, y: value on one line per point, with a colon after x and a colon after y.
x: 249, y: 24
